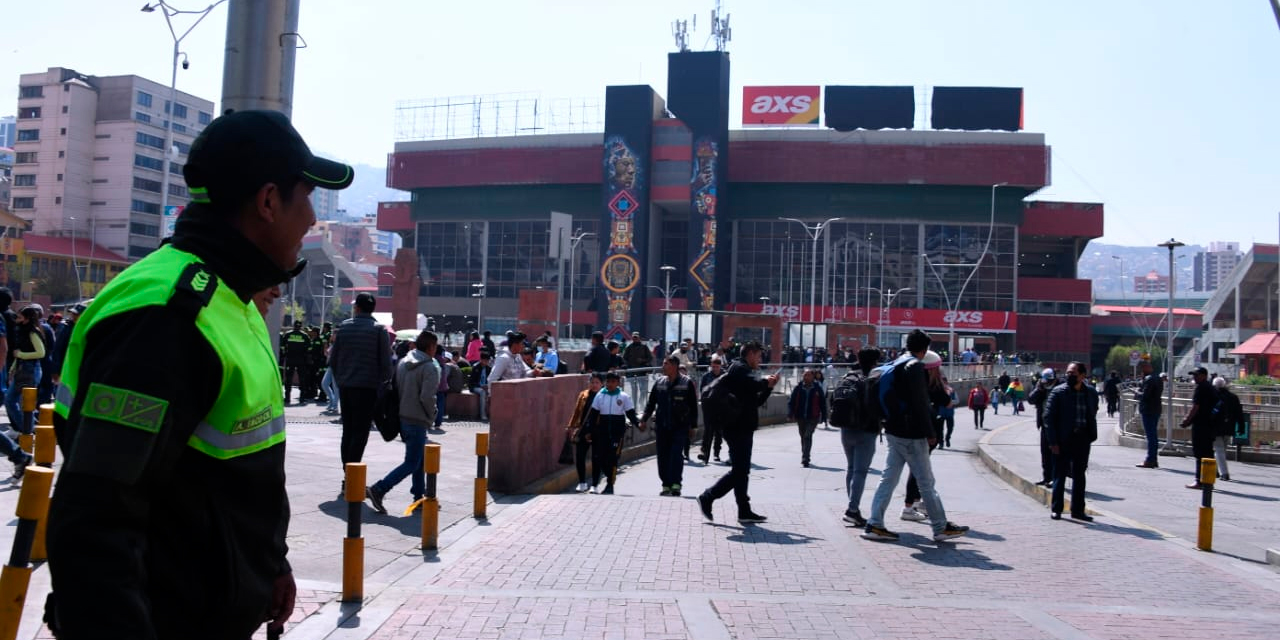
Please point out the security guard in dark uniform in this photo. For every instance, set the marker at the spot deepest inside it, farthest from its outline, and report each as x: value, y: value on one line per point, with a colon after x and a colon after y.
x: 170, y: 513
x: 675, y: 400
x: 295, y: 348
x: 315, y: 366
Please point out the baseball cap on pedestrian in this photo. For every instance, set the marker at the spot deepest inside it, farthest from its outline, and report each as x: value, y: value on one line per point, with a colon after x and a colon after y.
x: 1199, y: 371
x: 1047, y: 374
x: 931, y: 360
x: 241, y: 151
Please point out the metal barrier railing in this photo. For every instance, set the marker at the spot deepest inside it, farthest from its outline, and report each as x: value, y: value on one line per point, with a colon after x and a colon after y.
x: 1264, y: 417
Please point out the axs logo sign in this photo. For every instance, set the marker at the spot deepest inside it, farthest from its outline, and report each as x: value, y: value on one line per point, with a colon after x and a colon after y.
x: 781, y: 106
x: 962, y: 317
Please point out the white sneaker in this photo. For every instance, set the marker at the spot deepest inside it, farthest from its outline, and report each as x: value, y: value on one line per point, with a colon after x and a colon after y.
x: 582, y: 487
x: 595, y: 489
x: 913, y: 515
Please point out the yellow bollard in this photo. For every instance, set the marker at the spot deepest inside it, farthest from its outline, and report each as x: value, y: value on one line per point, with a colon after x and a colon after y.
x: 482, y: 482
x: 46, y: 445
x: 353, y: 544
x: 430, y: 504
x: 45, y: 415
x: 15, y: 577
x: 1208, y: 473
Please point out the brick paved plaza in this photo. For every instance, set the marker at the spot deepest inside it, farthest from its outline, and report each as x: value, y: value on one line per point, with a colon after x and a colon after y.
x: 637, y: 565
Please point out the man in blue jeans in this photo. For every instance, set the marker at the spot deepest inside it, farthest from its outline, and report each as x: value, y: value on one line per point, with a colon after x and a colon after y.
x: 859, y: 440
x: 417, y: 377
x: 909, y: 434
x: 1149, y: 407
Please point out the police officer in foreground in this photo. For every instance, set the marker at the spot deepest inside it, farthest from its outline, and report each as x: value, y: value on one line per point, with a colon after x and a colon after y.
x: 170, y: 513
x: 674, y: 399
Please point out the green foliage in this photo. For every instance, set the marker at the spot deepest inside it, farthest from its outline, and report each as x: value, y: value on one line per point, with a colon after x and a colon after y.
x: 1118, y: 358
x: 1255, y: 380
x: 293, y: 311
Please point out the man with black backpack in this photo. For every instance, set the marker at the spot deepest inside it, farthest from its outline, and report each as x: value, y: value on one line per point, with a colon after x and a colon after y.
x: 738, y: 395
x: 1227, y: 413
x: 858, y: 430
x: 901, y: 394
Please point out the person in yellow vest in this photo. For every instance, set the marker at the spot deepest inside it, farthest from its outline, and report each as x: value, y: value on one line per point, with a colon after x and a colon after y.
x: 170, y: 513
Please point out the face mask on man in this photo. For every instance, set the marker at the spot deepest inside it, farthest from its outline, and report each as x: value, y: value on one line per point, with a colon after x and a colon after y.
x: 1072, y: 379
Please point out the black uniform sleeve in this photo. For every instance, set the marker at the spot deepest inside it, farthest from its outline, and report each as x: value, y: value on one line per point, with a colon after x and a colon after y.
x: 102, y: 506
x: 692, y: 400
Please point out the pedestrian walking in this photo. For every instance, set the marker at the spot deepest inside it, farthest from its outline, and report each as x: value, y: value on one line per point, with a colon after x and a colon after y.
x: 915, y: 510
x: 361, y: 361
x: 1038, y: 396
x: 978, y: 399
x: 858, y: 437
x: 169, y: 518
x: 808, y: 407
x: 1200, y: 419
x: 748, y: 395
x: 611, y: 411
x: 673, y: 405
x: 908, y: 426
x: 25, y: 367
x: 947, y: 413
x: 579, y: 431
x: 294, y: 350
x: 712, y: 429
x: 1111, y: 393
x: 1149, y: 408
x: 1227, y: 414
x: 1015, y: 394
x: 417, y: 375
x: 597, y: 359
x: 1071, y: 422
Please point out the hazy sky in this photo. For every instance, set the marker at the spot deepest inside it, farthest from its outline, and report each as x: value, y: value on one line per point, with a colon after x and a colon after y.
x: 1163, y: 110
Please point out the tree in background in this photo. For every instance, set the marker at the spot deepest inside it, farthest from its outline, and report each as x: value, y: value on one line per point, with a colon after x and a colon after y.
x: 1118, y: 359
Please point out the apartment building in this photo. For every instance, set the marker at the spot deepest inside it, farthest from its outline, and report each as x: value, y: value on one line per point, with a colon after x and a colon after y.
x: 1211, y: 268
x: 89, y: 156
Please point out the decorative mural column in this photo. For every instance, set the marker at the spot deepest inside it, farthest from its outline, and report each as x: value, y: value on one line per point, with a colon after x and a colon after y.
x: 698, y: 94
x: 628, y: 143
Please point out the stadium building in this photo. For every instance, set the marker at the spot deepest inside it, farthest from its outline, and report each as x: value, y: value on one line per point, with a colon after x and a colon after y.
x: 929, y: 218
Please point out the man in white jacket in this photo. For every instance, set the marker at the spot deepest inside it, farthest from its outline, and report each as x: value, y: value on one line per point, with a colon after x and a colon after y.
x: 417, y: 377
x: 510, y: 365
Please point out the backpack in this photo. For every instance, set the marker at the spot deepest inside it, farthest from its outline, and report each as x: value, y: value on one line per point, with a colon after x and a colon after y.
x: 881, y: 401
x: 719, y: 402
x: 386, y: 410
x: 848, y: 403
x: 453, y: 377
x: 1225, y: 414
x: 561, y: 368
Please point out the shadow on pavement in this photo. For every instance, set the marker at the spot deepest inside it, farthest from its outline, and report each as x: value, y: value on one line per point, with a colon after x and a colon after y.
x: 818, y: 468
x: 757, y: 534
x: 1145, y: 534
x: 1101, y: 497
x: 949, y: 554
x: 982, y: 535
x: 1246, y: 496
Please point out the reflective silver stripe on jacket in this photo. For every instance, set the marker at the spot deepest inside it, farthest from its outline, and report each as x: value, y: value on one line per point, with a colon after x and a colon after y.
x: 63, y: 395
x: 234, y: 442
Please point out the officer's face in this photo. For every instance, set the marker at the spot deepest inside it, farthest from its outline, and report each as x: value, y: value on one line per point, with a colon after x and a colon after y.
x: 670, y: 369
x: 289, y: 221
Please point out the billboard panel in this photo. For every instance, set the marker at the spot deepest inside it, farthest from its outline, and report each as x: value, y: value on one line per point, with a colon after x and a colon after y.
x: 794, y: 106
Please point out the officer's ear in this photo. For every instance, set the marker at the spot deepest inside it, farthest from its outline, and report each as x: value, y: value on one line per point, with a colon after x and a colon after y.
x: 267, y: 203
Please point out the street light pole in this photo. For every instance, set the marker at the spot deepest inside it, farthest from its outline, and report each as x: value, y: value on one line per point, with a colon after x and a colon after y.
x: 168, y: 12
x: 479, y: 296
x: 666, y: 290
x: 75, y: 263
x: 573, y: 264
x: 815, y: 232
x: 1168, y: 353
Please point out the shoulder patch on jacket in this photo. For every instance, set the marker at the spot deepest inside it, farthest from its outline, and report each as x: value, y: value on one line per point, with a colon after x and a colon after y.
x: 124, y: 407
x: 194, y: 289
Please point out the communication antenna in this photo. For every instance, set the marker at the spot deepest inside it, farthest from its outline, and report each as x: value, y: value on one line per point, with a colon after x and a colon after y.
x: 680, y: 30
x: 720, y: 28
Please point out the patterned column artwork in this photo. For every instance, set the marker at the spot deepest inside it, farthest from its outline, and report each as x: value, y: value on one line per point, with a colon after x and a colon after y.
x: 702, y: 191
x: 625, y: 194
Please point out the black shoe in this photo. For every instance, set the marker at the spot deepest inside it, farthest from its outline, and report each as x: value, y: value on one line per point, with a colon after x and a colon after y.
x: 1082, y: 516
x: 948, y: 444
x: 1056, y: 515
x: 702, y: 457
x: 854, y: 518
x: 704, y: 503
x: 804, y: 463
x: 375, y: 499
x: 717, y: 457
x: 666, y: 491
x: 608, y: 490
x: 750, y: 516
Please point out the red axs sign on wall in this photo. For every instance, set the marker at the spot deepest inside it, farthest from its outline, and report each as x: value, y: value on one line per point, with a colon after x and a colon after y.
x: 781, y: 106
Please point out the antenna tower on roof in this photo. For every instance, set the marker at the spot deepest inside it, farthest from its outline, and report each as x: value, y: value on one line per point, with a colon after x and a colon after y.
x: 720, y: 27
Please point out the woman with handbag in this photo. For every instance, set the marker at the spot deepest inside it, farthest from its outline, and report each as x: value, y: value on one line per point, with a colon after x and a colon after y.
x: 577, y: 434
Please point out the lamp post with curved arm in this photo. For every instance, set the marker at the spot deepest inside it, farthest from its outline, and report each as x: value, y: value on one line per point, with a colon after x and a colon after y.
x: 815, y: 233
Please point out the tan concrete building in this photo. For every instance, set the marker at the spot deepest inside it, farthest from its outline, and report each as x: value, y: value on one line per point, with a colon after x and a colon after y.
x: 89, y: 153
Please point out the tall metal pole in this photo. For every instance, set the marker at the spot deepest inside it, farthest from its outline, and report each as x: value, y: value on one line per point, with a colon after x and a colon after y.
x: 1168, y: 354
x: 559, y: 278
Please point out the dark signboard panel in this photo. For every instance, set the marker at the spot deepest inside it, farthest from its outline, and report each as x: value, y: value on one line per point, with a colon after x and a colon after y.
x: 977, y: 108
x: 698, y: 94
x: 628, y: 142
x: 850, y: 108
